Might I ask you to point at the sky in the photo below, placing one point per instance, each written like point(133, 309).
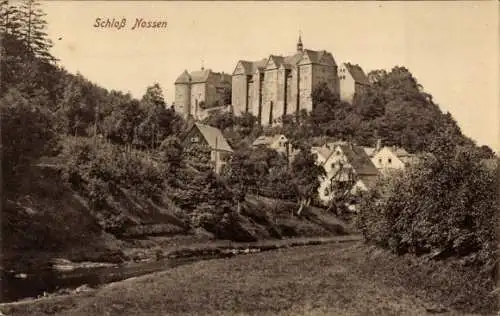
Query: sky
point(451, 48)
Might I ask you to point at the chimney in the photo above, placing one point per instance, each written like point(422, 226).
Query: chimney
point(379, 144)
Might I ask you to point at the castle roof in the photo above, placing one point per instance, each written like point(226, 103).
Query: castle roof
point(357, 73)
point(183, 78)
point(201, 76)
point(250, 67)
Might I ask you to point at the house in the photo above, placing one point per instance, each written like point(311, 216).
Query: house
point(277, 142)
point(211, 138)
point(345, 164)
point(392, 158)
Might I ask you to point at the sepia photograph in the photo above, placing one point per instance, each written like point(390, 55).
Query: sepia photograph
point(249, 158)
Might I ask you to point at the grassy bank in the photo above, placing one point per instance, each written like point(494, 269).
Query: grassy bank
point(334, 279)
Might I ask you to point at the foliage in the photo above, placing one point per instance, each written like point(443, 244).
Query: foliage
point(95, 167)
point(446, 205)
point(238, 130)
point(158, 121)
point(306, 176)
point(26, 135)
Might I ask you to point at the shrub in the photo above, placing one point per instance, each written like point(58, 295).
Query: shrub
point(446, 207)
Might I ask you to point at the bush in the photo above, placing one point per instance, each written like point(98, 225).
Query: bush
point(444, 207)
point(92, 167)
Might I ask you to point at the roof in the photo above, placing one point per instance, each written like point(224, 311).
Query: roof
point(368, 180)
point(359, 160)
point(214, 137)
point(323, 151)
point(315, 57)
point(251, 67)
point(357, 73)
point(370, 151)
point(183, 78)
point(267, 140)
point(200, 76)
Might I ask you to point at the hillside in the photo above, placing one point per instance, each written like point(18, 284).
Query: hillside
point(47, 219)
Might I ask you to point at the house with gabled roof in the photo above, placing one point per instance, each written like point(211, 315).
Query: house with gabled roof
point(392, 158)
point(345, 163)
point(211, 138)
point(278, 142)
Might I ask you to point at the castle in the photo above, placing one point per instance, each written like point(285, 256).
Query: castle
point(199, 92)
point(275, 86)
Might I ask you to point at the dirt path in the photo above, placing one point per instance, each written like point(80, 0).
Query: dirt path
point(313, 280)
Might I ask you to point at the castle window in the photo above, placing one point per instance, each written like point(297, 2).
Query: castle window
point(380, 160)
point(389, 160)
point(195, 139)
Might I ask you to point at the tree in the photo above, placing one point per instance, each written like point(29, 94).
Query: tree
point(306, 176)
point(33, 30)
point(121, 126)
point(26, 134)
point(446, 205)
point(244, 171)
point(171, 152)
point(159, 122)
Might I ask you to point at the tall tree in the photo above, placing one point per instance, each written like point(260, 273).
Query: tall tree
point(33, 30)
point(306, 176)
point(159, 122)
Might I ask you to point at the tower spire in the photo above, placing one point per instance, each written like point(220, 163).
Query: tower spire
point(300, 47)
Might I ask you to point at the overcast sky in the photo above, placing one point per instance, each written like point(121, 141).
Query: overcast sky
point(451, 47)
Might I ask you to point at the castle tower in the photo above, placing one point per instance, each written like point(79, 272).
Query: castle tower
point(183, 94)
point(300, 47)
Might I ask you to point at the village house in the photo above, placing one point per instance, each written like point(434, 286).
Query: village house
point(347, 164)
point(212, 138)
point(199, 92)
point(392, 158)
point(277, 142)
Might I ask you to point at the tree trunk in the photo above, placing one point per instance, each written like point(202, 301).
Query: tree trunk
point(302, 204)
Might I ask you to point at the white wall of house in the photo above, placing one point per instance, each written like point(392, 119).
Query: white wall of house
point(331, 166)
point(386, 159)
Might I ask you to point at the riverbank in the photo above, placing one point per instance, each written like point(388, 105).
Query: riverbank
point(330, 279)
point(65, 277)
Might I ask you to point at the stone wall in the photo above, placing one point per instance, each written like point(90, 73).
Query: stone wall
point(325, 74)
point(198, 95)
point(182, 103)
point(239, 93)
point(305, 87)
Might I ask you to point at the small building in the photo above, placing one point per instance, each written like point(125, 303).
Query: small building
point(277, 142)
point(199, 91)
point(392, 158)
point(346, 164)
point(211, 138)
